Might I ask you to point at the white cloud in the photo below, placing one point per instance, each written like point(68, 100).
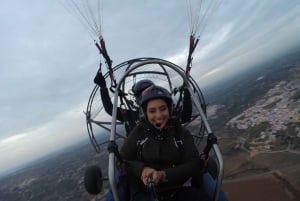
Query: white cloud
point(64, 130)
point(12, 139)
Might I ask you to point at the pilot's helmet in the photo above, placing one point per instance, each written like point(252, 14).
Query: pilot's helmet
point(140, 86)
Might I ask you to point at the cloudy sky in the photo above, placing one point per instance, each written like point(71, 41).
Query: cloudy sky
point(48, 58)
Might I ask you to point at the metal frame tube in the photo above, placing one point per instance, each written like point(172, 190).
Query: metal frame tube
point(111, 165)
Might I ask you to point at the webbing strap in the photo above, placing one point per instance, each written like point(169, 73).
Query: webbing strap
point(108, 61)
point(193, 44)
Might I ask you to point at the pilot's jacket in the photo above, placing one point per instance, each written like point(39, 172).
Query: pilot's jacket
point(171, 149)
point(130, 117)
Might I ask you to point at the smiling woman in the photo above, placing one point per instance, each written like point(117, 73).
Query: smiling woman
point(156, 103)
point(160, 156)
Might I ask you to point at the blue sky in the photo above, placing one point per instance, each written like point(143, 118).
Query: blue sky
point(48, 59)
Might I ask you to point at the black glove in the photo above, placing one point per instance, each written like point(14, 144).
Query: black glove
point(100, 80)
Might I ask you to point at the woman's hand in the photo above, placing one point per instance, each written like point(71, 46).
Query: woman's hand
point(156, 175)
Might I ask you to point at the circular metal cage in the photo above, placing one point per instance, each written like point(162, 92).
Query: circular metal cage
point(126, 74)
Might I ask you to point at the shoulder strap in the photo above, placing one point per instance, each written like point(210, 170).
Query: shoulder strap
point(141, 141)
point(178, 134)
point(178, 141)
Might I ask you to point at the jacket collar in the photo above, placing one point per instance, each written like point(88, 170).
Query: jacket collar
point(159, 134)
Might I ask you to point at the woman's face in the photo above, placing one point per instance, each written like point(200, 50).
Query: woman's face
point(157, 112)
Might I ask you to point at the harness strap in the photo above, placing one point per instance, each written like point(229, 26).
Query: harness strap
point(130, 115)
point(108, 61)
point(113, 147)
point(140, 146)
point(126, 118)
point(178, 142)
point(178, 108)
point(193, 44)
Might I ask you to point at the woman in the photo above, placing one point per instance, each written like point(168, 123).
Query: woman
point(160, 150)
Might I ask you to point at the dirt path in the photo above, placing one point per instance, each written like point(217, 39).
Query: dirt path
point(267, 187)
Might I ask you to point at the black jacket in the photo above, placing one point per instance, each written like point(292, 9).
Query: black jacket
point(161, 152)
